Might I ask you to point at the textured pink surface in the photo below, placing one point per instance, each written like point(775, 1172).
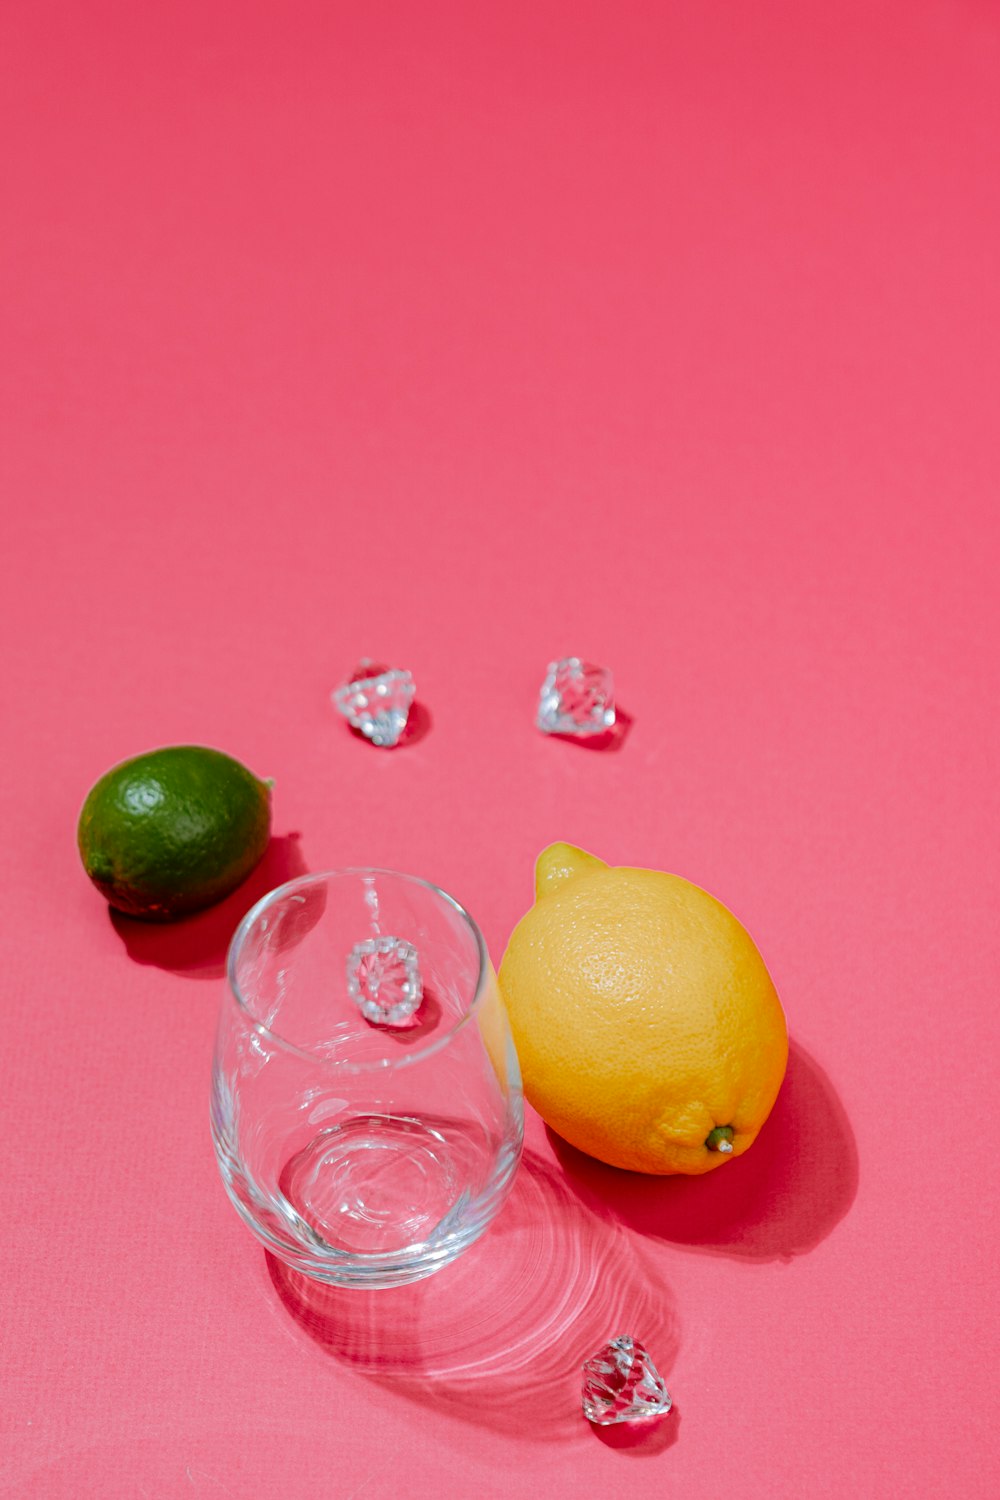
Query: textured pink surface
point(470, 335)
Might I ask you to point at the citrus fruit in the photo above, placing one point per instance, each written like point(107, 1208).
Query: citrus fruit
point(648, 1030)
point(174, 830)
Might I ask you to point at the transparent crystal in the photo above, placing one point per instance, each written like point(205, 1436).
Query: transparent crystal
point(576, 698)
point(383, 979)
point(621, 1384)
point(377, 701)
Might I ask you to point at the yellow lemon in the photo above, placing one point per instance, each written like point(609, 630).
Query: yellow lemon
point(649, 1032)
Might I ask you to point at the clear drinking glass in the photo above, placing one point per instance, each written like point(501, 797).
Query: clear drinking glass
point(363, 1154)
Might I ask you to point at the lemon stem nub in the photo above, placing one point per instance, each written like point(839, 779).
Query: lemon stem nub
point(720, 1139)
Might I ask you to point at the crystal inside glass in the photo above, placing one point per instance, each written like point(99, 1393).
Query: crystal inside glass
point(576, 698)
point(363, 1155)
point(621, 1384)
point(383, 979)
point(376, 701)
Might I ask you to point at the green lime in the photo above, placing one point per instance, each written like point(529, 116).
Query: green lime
point(174, 830)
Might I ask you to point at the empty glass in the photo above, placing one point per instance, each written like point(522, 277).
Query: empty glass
point(364, 1152)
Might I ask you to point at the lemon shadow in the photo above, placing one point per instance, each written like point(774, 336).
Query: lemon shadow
point(776, 1202)
point(195, 947)
point(499, 1336)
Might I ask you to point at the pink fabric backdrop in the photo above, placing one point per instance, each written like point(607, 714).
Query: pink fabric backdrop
point(467, 335)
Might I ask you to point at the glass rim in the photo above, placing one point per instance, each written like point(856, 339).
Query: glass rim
point(289, 887)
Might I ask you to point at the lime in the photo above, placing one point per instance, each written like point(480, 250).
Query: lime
point(172, 831)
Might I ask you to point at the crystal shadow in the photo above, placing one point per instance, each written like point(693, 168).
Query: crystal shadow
point(778, 1201)
point(642, 1439)
point(418, 726)
point(195, 947)
point(609, 742)
point(500, 1336)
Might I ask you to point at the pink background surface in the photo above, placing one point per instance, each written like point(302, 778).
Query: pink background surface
point(467, 335)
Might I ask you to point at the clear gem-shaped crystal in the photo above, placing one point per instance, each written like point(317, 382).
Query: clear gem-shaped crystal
point(377, 701)
point(576, 698)
point(383, 979)
point(621, 1384)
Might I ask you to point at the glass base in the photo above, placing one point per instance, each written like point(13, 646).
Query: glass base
point(376, 1183)
point(375, 1201)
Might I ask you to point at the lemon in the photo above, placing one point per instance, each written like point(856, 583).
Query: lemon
point(172, 831)
point(648, 1029)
